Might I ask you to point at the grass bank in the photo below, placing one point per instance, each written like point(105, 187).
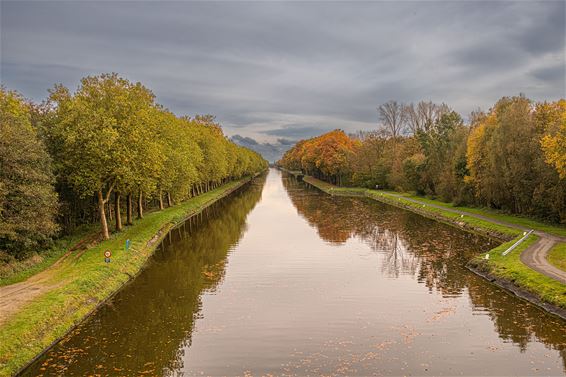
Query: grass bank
point(508, 269)
point(468, 223)
point(295, 173)
point(82, 281)
point(521, 221)
point(16, 271)
point(557, 256)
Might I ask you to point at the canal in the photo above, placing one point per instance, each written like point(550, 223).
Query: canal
point(282, 279)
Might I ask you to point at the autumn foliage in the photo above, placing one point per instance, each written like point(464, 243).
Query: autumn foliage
point(511, 158)
point(326, 156)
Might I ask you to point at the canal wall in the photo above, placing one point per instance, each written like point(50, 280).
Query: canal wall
point(478, 265)
point(46, 320)
point(481, 270)
point(295, 173)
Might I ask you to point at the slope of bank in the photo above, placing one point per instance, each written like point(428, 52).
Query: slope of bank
point(72, 289)
point(510, 272)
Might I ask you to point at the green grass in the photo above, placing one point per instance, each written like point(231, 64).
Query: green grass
point(557, 256)
point(333, 190)
point(15, 272)
point(81, 283)
point(478, 225)
point(292, 172)
point(511, 268)
point(496, 215)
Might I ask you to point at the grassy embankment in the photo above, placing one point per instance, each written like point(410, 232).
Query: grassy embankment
point(81, 282)
point(510, 267)
point(16, 271)
point(557, 256)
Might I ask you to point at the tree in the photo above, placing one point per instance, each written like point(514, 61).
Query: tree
point(507, 165)
point(104, 138)
point(552, 118)
point(28, 202)
point(182, 157)
point(421, 118)
point(437, 144)
point(392, 118)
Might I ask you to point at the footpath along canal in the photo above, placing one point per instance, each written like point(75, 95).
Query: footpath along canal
point(282, 279)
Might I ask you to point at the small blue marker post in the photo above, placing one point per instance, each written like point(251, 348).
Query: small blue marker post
point(128, 244)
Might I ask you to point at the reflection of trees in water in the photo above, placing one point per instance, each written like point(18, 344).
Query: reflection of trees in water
point(410, 244)
point(147, 325)
point(316, 213)
point(434, 252)
point(397, 257)
point(516, 321)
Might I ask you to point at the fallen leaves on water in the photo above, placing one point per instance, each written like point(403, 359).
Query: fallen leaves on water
point(443, 313)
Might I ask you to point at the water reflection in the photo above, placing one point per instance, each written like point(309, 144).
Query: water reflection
point(146, 327)
point(307, 284)
point(410, 244)
point(427, 249)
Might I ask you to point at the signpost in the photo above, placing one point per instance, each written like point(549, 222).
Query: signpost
point(107, 256)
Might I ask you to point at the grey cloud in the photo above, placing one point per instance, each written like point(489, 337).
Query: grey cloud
point(290, 69)
point(546, 33)
point(244, 140)
point(271, 152)
point(296, 132)
point(286, 141)
point(550, 74)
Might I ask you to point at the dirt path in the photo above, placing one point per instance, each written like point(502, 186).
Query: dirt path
point(534, 256)
point(14, 296)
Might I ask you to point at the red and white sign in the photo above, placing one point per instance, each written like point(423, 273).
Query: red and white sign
point(107, 254)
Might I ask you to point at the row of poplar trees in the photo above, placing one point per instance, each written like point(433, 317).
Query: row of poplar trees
point(512, 157)
point(109, 147)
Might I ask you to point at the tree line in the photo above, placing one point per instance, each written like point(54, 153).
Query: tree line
point(95, 154)
point(512, 157)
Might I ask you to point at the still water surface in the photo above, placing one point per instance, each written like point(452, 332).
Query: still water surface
point(282, 279)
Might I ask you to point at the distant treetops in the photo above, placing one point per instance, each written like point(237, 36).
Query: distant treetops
point(109, 137)
point(511, 158)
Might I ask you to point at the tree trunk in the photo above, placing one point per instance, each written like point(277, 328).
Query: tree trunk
point(129, 209)
point(169, 201)
point(102, 212)
point(140, 205)
point(117, 211)
point(160, 200)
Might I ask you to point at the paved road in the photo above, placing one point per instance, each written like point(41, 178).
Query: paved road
point(534, 256)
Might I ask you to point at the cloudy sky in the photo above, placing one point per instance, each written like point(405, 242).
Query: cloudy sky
point(290, 70)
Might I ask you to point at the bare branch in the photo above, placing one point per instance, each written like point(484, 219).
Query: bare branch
point(392, 118)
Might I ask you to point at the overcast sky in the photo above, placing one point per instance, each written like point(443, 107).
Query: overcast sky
point(291, 70)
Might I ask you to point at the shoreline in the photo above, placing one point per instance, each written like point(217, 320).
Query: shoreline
point(82, 310)
point(497, 234)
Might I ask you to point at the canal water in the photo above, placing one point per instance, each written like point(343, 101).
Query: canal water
point(282, 279)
